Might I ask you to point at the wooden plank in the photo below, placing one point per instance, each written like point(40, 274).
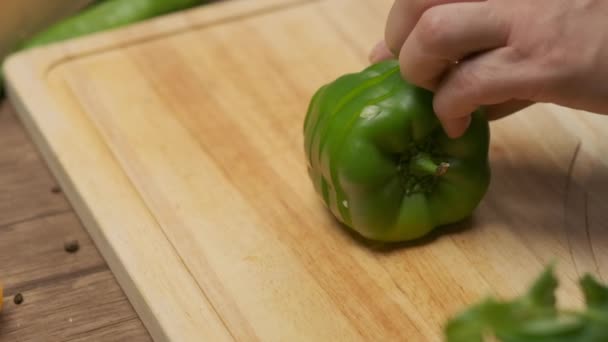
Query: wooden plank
point(25, 181)
point(88, 307)
point(194, 148)
point(33, 259)
point(33, 252)
point(129, 330)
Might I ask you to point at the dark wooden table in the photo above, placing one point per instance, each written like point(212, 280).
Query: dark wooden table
point(67, 296)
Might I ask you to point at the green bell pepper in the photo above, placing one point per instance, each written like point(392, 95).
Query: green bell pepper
point(381, 162)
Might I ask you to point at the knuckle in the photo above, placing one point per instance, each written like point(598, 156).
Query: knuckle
point(433, 29)
point(470, 83)
point(555, 70)
point(550, 53)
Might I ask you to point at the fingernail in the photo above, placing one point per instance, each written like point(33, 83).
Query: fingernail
point(380, 52)
point(455, 128)
point(374, 53)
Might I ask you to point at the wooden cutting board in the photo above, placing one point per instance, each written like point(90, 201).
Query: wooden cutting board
point(179, 142)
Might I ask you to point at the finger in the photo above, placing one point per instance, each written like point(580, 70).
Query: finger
point(380, 52)
point(446, 34)
point(402, 18)
point(455, 127)
point(491, 78)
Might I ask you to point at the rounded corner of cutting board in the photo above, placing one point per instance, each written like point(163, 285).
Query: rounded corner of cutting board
point(37, 63)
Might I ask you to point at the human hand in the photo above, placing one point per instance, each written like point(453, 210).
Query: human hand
point(503, 55)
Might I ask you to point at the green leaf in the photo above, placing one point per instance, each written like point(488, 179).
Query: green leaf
point(470, 325)
point(542, 292)
point(534, 316)
point(596, 294)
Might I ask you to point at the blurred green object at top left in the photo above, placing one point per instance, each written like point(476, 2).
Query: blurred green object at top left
point(101, 16)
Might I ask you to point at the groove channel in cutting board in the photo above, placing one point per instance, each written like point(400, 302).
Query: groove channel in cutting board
point(225, 173)
point(205, 122)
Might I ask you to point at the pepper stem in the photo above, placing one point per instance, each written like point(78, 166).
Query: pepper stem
point(424, 165)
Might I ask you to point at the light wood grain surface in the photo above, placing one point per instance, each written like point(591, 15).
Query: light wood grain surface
point(185, 132)
point(66, 296)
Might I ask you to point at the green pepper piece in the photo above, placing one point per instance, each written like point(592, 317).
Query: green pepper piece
point(380, 160)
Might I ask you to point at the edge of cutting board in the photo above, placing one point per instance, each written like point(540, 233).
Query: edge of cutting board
point(26, 73)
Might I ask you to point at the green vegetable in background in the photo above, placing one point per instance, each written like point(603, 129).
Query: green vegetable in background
point(104, 15)
point(381, 162)
point(108, 14)
point(534, 317)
